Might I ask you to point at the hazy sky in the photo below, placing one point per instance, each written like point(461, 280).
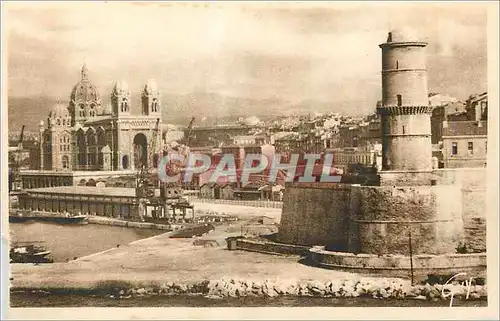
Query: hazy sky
point(294, 52)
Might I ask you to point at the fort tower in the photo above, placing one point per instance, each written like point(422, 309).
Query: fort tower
point(405, 111)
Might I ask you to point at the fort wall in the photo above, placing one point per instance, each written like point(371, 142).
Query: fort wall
point(371, 219)
point(315, 214)
point(382, 218)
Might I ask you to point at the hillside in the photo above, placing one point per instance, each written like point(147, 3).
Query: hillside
point(177, 109)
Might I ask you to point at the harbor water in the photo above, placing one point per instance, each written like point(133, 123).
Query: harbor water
point(67, 242)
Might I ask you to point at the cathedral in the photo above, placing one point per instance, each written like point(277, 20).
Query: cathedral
point(87, 135)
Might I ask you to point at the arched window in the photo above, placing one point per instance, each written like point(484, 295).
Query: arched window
point(154, 106)
point(82, 111)
point(124, 105)
point(91, 139)
point(92, 110)
point(65, 162)
point(125, 161)
point(155, 160)
point(58, 121)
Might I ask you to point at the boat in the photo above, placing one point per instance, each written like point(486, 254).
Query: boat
point(20, 217)
point(29, 253)
point(78, 219)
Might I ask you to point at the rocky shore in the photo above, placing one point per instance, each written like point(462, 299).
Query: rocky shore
point(380, 288)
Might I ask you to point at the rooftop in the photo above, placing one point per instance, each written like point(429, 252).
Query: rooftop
point(465, 128)
point(89, 190)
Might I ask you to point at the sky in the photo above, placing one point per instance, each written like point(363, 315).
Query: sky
point(291, 52)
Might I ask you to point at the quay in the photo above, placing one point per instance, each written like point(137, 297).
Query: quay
point(117, 202)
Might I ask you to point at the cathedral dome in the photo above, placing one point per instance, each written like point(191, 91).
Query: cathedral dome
point(84, 90)
point(59, 110)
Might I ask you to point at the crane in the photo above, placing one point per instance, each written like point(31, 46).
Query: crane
point(21, 136)
point(190, 129)
point(187, 139)
point(146, 177)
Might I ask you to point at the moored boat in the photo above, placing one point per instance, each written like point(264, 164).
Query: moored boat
point(29, 253)
point(79, 219)
point(21, 217)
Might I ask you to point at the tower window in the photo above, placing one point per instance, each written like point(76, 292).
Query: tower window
point(124, 105)
point(404, 131)
point(400, 100)
point(154, 106)
point(397, 64)
point(454, 148)
point(470, 148)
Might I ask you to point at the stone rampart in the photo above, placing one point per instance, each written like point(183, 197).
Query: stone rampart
point(383, 217)
point(315, 214)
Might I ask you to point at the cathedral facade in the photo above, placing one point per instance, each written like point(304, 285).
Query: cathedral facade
point(87, 135)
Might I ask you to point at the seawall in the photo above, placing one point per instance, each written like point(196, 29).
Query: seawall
point(142, 225)
point(337, 288)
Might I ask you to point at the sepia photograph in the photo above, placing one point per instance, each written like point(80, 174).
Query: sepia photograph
point(236, 155)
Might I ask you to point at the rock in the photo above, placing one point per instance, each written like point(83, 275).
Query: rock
point(434, 293)
point(383, 293)
point(316, 288)
point(141, 291)
point(182, 288)
point(420, 297)
point(481, 290)
point(426, 289)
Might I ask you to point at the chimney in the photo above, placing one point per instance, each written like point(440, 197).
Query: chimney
point(477, 113)
point(445, 114)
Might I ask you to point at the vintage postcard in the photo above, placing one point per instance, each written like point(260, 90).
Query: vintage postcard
point(249, 160)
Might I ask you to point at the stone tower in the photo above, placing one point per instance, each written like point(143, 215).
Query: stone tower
point(405, 111)
point(151, 99)
point(120, 99)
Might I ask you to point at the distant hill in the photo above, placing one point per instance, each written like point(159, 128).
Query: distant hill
point(28, 111)
point(177, 109)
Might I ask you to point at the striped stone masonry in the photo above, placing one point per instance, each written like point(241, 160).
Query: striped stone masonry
point(404, 110)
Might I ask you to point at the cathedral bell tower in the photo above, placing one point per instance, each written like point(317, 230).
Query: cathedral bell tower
point(151, 100)
point(120, 99)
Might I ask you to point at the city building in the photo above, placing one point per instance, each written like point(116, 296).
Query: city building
point(459, 132)
point(216, 136)
point(349, 159)
point(85, 135)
